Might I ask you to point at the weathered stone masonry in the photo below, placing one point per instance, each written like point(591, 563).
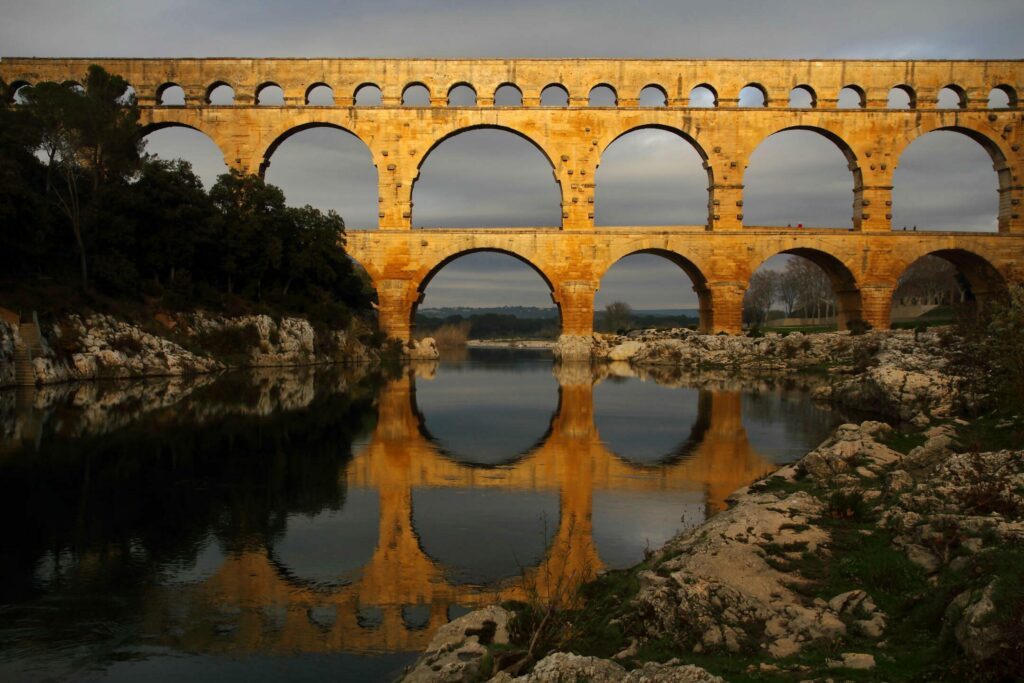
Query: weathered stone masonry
point(864, 262)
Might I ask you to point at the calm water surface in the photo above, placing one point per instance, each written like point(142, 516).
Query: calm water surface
point(310, 525)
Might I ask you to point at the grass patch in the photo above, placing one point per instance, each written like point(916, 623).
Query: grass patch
point(904, 442)
point(992, 432)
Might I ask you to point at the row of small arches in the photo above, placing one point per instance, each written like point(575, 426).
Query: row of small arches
point(556, 95)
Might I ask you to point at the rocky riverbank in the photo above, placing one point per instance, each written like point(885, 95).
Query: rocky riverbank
point(887, 553)
point(896, 374)
point(97, 346)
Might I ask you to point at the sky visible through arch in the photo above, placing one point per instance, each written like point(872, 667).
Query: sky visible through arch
point(943, 181)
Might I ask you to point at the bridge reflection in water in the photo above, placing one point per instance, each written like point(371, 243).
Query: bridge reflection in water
point(399, 598)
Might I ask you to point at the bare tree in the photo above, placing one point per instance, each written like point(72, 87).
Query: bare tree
point(931, 280)
point(618, 315)
point(760, 296)
point(814, 295)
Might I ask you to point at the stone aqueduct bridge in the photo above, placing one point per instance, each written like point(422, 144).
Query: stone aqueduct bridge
point(863, 261)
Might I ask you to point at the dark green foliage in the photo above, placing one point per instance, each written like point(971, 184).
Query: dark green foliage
point(143, 229)
point(904, 443)
point(858, 326)
point(847, 504)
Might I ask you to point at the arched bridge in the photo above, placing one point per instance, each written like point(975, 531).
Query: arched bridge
point(863, 262)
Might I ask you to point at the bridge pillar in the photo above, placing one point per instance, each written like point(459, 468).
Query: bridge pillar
point(876, 304)
point(722, 308)
point(1011, 203)
point(725, 207)
point(872, 208)
point(575, 299)
point(394, 198)
point(395, 302)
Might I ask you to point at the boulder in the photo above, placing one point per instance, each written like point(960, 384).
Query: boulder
point(562, 667)
point(422, 349)
point(456, 652)
point(571, 347)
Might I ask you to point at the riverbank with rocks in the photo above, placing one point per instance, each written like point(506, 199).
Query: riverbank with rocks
point(893, 551)
point(896, 374)
point(99, 346)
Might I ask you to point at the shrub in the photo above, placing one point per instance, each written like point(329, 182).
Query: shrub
point(128, 344)
point(858, 326)
point(451, 335)
point(230, 341)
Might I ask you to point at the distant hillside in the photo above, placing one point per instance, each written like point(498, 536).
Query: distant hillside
point(535, 312)
point(526, 312)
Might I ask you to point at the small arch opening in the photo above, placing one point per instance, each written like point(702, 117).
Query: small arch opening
point(851, 97)
point(19, 92)
point(508, 95)
point(653, 96)
point(902, 97)
point(329, 168)
point(952, 97)
point(802, 288)
point(800, 177)
point(128, 97)
point(554, 95)
point(703, 96)
point(416, 95)
point(191, 145)
point(486, 177)
point(802, 97)
point(270, 95)
point(651, 288)
point(485, 279)
point(220, 94)
point(368, 95)
point(603, 96)
point(651, 176)
point(940, 287)
point(1002, 97)
point(753, 95)
point(944, 180)
point(462, 95)
point(171, 95)
point(75, 87)
point(320, 95)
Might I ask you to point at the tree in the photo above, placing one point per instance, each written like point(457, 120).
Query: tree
point(253, 222)
point(814, 296)
point(788, 290)
point(24, 219)
point(618, 316)
point(89, 138)
point(760, 295)
point(931, 280)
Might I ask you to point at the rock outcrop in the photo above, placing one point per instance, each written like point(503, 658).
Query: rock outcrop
point(102, 346)
point(421, 349)
point(562, 667)
point(458, 651)
point(571, 348)
point(897, 374)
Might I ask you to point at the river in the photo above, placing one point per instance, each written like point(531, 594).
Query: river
point(322, 524)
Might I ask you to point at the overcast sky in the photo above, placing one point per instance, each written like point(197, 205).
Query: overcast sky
point(944, 181)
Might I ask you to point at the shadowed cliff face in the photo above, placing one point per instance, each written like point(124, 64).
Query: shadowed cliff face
point(328, 512)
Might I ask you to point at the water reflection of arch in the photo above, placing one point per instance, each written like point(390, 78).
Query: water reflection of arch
point(447, 452)
point(686, 448)
point(271, 612)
